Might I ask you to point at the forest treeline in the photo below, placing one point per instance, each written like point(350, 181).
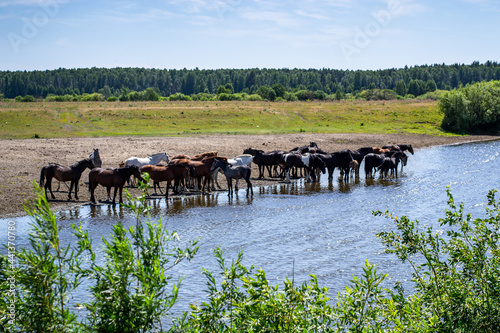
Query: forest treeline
point(108, 82)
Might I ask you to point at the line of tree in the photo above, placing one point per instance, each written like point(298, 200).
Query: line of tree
point(415, 81)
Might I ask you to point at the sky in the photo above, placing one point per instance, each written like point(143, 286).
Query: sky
point(212, 34)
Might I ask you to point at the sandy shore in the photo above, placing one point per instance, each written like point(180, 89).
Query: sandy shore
point(22, 160)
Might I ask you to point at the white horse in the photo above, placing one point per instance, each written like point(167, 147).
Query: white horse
point(244, 159)
point(142, 161)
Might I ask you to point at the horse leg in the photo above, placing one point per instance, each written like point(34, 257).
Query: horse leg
point(48, 185)
point(70, 189)
point(108, 189)
point(92, 188)
point(166, 189)
point(114, 194)
point(249, 185)
point(76, 188)
point(121, 190)
point(229, 184)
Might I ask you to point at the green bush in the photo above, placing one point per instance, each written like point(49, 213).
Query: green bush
point(27, 98)
point(202, 97)
point(472, 109)
point(95, 97)
point(229, 97)
point(456, 275)
point(303, 95)
point(112, 99)
point(253, 97)
point(150, 95)
point(179, 97)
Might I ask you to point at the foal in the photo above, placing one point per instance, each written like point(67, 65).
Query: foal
point(234, 172)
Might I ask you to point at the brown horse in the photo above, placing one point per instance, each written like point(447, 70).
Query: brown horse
point(112, 178)
point(202, 169)
point(168, 173)
point(64, 174)
point(197, 157)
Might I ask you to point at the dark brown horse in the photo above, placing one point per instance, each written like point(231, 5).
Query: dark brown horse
point(168, 173)
point(63, 174)
point(202, 169)
point(112, 178)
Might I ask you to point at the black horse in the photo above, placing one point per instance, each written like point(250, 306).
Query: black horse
point(63, 174)
point(264, 160)
point(316, 167)
point(372, 161)
point(331, 162)
point(390, 164)
point(407, 148)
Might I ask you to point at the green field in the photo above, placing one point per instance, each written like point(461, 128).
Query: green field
point(83, 119)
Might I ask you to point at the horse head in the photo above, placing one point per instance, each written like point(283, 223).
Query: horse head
point(95, 158)
point(217, 164)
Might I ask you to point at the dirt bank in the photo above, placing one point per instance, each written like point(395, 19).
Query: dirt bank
point(23, 159)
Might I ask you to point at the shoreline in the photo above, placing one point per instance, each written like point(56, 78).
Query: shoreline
point(24, 158)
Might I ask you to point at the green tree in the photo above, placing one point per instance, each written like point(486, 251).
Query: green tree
point(151, 95)
point(338, 95)
point(400, 88)
point(279, 89)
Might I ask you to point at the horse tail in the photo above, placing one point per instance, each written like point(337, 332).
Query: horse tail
point(42, 176)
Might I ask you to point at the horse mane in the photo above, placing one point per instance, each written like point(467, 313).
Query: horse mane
point(157, 154)
point(85, 160)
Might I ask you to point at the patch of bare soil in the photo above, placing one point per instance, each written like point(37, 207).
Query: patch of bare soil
point(22, 160)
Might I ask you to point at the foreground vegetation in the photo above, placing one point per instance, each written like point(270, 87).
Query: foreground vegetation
point(456, 279)
point(80, 119)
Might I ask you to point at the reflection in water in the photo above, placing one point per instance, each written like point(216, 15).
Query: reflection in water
point(110, 211)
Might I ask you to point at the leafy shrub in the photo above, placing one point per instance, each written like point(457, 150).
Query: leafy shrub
point(303, 95)
point(130, 287)
point(27, 98)
point(473, 108)
point(457, 276)
point(112, 99)
point(253, 97)
point(291, 97)
point(229, 97)
point(202, 97)
point(179, 97)
point(320, 94)
point(95, 97)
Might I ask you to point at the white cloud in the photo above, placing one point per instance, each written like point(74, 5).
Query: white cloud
point(403, 7)
point(281, 19)
point(311, 15)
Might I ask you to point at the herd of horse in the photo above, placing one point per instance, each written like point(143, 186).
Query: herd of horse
point(200, 171)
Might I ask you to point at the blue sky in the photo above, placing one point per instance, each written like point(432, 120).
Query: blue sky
point(210, 34)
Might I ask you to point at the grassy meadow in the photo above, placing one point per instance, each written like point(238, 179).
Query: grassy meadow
point(87, 119)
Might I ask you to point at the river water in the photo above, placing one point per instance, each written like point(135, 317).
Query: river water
point(293, 230)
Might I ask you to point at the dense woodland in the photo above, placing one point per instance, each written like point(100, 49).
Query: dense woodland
point(415, 81)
